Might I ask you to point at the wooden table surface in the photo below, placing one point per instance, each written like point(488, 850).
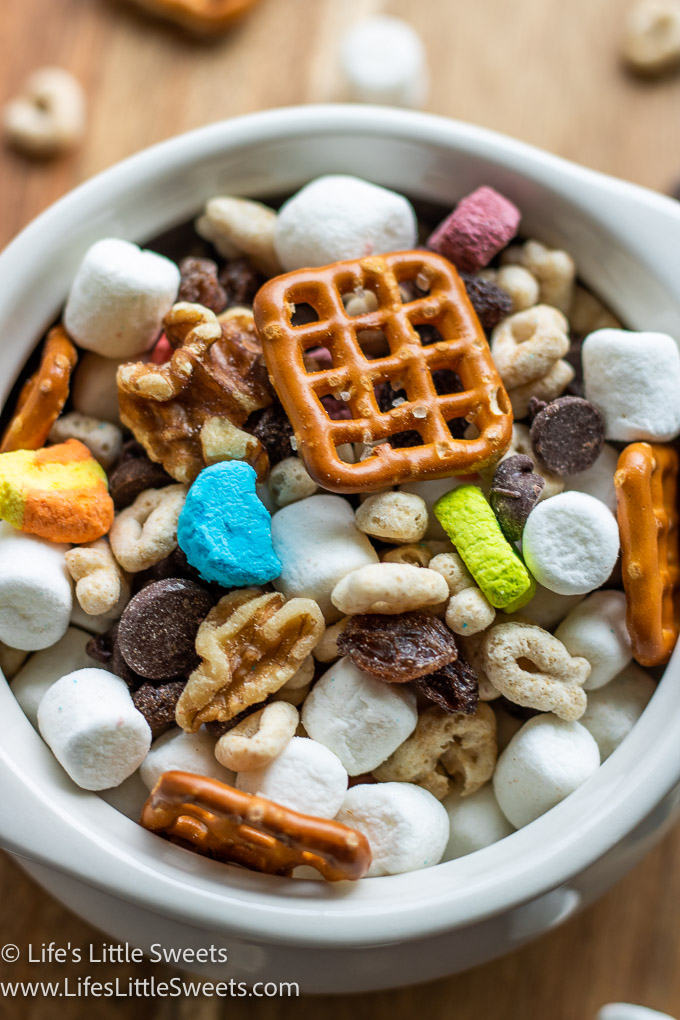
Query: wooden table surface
point(545, 71)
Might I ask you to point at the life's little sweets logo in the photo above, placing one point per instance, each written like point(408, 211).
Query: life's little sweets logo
point(109, 952)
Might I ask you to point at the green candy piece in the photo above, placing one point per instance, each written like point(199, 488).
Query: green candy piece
point(471, 525)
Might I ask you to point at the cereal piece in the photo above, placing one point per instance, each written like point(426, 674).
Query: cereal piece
point(598, 480)
point(567, 435)
point(101, 586)
point(475, 822)
point(647, 495)
point(453, 570)
point(103, 439)
point(43, 396)
point(239, 226)
point(157, 631)
point(571, 543)
point(481, 225)
point(258, 739)
point(305, 776)
point(289, 482)
point(515, 491)
point(554, 269)
point(44, 668)
point(544, 762)
point(490, 302)
point(225, 530)
point(613, 710)
point(228, 825)
point(587, 313)
point(250, 644)
point(58, 493)
point(472, 526)
point(397, 648)
point(633, 379)
point(133, 474)
point(445, 747)
point(317, 543)
point(383, 60)
point(340, 217)
point(518, 283)
point(454, 687)
point(651, 39)
point(469, 612)
point(94, 391)
point(327, 649)
point(596, 630)
point(417, 555)
point(119, 297)
point(183, 752)
point(158, 704)
point(526, 346)
point(95, 732)
point(48, 117)
point(388, 588)
point(361, 719)
point(393, 517)
point(35, 590)
point(199, 285)
point(146, 531)
point(552, 680)
point(406, 827)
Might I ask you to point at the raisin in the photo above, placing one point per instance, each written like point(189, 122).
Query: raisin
point(157, 705)
point(397, 648)
point(274, 431)
point(454, 687)
point(490, 302)
point(241, 282)
point(199, 284)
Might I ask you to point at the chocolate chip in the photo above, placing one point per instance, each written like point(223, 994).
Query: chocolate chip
point(490, 301)
point(133, 474)
point(241, 282)
point(157, 705)
point(173, 565)
point(567, 435)
point(454, 687)
point(515, 491)
point(157, 631)
point(199, 284)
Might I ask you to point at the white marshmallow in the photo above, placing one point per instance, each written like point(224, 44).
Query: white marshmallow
point(306, 777)
point(543, 763)
point(596, 629)
point(183, 752)
point(598, 480)
point(571, 543)
point(634, 379)
point(94, 390)
point(430, 491)
point(613, 710)
point(92, 624)
point(318, 542)
point(546, 609)
point(93, 728)
point(361, 719)
point(35, 590)
point(340, 217)
point(629, 1011)
point(476, 821)
point(383, 60)
point(407, 828)
point(46, 667)
point(119, 297)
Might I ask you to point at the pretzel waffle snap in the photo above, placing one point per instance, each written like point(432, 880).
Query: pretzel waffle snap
point(218, 821)
point(200, 16)
point(461, 349)
point(647, 493)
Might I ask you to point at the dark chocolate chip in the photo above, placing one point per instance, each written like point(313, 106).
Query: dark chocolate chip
point(133, 474)
point(515, 491)
point(157, 705)
point(490, 302)
point(199, 284)
point(567, 436)
point(454, 687)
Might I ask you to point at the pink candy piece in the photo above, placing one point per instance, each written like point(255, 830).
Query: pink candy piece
point(479, 227)
point(162, 352)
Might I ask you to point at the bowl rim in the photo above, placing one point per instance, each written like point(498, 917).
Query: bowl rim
point(525, 865)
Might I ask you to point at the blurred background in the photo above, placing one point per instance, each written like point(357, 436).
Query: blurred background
point(544, 71)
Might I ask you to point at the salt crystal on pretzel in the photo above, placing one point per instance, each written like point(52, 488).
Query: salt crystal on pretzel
point(461, 349)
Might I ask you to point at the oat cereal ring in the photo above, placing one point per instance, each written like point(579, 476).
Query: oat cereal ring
point(218, 821)
point(101, 586)
point(526, 345)
point(42, 396)
point(518, 283)
point(557, 685)
point(259, 738)
point(554, 269)
point(445, 747)
point(550, 386)
point(146, 531)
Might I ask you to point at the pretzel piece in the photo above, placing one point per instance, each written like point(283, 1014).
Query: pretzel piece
point(218, 821)
point(42, 396)
point(203, 17)
point(462, 349)
point(646, 482)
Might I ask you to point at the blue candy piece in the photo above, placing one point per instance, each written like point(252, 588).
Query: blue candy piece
point(225, 531)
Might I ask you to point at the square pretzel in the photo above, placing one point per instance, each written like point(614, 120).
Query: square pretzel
point(460, 347)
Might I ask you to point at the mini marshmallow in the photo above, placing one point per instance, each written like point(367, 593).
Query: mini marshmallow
point(94, 390)
point(183, 752)
point(571, 543)
point(613, 710)
point(340, 217)
point(634, 379)
point(596, 629)
point(318, 542)
point(92, 624)
point(475, 821)
point(406, 826)
point(361, 719)
point(547, 608)
point(93, 728)
point(46, 667)
point(119, 298)
point(629, 1011)
point(383, 60)
point(543, 763)
point(306, 777)
point(598, 480)
point(35, 590)
point(430, 491)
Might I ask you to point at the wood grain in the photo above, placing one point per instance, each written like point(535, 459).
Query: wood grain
point(547, 72)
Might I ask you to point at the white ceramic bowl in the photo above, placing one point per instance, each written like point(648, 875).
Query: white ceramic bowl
point(386, 931)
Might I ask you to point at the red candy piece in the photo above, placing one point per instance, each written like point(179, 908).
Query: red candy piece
point(480, 226)
point(162, 352)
